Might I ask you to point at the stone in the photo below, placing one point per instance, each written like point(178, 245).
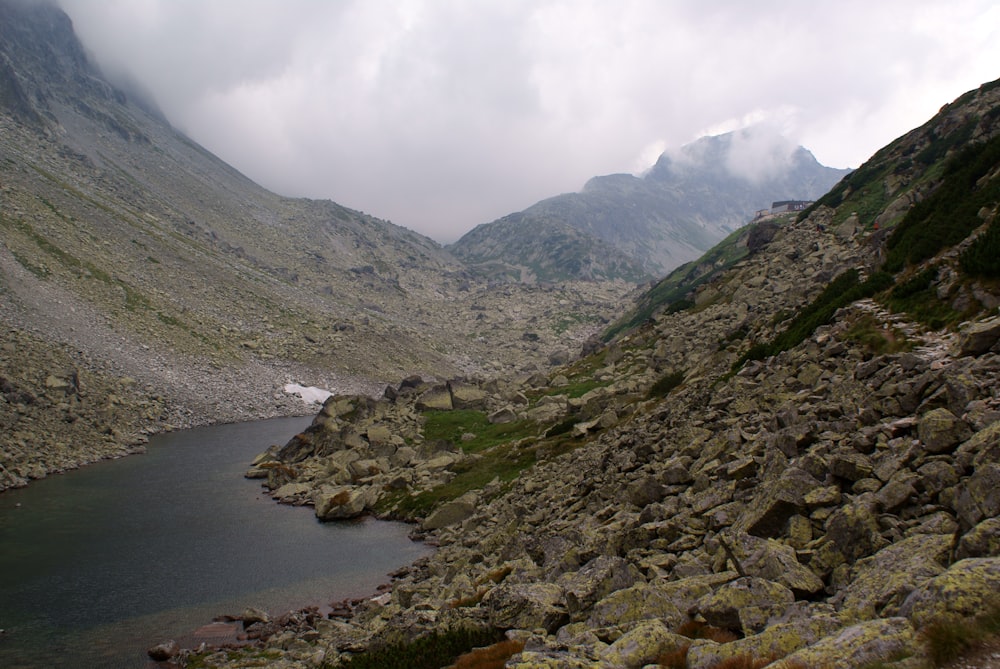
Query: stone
point(344, 502)
point(453, 512)
point(853, 531)
point(878, 584)
point(856, 646)
point(979, 497)
point(526, 606)
point(966, 589)
point(641, 645)
point(980, 337)
point(767, 514)
point(641, 601)
point(162, 652)
point(941, 431)
point(771, 560)
point(850, 466)
point(253, 615)
point(723, 608)
point(466, 395)
point(983, 540)
point(777, 640)
point(595, 580)
point(437, 397)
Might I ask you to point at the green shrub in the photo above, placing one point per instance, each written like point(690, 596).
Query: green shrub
point(665, 384)
point(433, 651)
point(951, 212)
point(982, 258)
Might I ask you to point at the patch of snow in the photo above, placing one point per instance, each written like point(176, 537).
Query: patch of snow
point(309, 394)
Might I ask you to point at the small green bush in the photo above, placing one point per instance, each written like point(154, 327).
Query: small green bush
point(665, 384)
point(433, 651)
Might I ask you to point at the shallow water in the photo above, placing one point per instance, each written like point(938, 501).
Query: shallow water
point(99, 564)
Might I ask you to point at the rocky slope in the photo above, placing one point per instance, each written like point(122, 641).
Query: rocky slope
point(793, 468)
point(623, 226)
point(188, 294)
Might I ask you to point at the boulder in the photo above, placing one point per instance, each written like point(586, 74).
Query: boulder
point(777, 640)
point(466, 395)
point(966, 589)
point(979, 497)
point(853, 530)
point(980, 337)
point(641, 601)
point(452, 512)
point(941, 431)
point(595, 580)
point(526, 606)
point(162, 652)
point(774, 561)
point(641, 645)
point(437, 397)
point(343, 502)
point(878, 584)
point(983, 540)
point(745, 604)
point(856, 646)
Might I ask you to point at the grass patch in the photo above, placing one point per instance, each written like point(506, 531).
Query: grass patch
point(877, 338)
point(436, 650)
point(666, 384)
point(982, 258)
point(452, 425)
point(501, 462)
point(918, 298)
point(949, 638)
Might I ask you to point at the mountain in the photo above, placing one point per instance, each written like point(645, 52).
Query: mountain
point(145, 283)
point(791, 459)
point(634, 228)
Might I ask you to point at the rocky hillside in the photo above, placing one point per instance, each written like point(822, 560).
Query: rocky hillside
point(622, 226)
point(146, 284)
point(798, 468)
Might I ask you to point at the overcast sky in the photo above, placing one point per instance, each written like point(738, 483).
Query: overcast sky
point(443, 114)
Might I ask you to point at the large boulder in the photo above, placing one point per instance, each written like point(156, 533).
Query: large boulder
point(452, 512)
point(979, 497)
point(745, 604)
point(641, 645)
point(774, 561)
point(595, 580)
point(966, 589)
point(856, 646)
point(980, 337)
point(435, 398)
point(777, 640)
point(878, 584)
point(466, 395)
point(641, 601)
point(941, 431)
point(344, 502)
point(526, 606)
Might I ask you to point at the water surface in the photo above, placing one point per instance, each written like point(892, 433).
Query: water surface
point(100, 563)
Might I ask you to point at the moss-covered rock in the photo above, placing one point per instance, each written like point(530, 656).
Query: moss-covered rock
point(747, 601)
point(526, 606)
point(856, 646)
point(642, 601)
point(966, 589)
point(641, 645)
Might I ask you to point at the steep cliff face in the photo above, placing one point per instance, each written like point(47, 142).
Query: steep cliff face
point(802, 458)
point(636, 227)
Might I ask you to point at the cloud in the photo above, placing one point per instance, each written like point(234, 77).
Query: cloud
point(443, 114)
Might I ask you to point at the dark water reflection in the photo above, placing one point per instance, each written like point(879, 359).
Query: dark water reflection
point(99, 564)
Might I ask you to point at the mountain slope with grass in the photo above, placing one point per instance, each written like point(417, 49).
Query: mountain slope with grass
point(796, 467)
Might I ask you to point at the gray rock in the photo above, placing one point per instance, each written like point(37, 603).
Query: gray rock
point(526, 606)
point(941, 431)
